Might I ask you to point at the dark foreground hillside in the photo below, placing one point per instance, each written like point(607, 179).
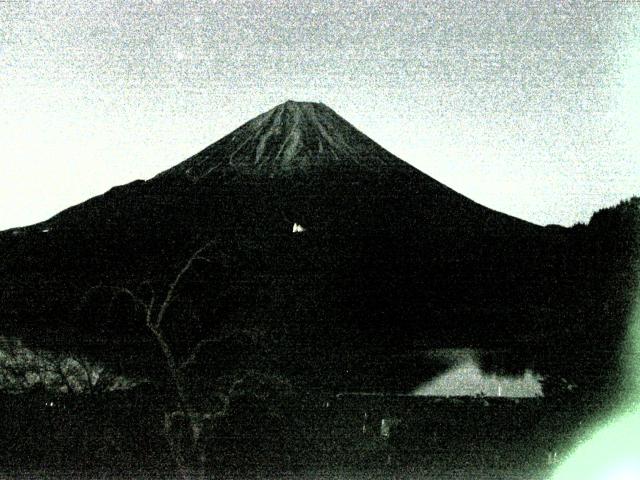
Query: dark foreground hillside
point(120, 436)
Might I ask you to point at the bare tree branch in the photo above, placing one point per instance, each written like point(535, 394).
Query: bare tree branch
point(137, 301)
point(203, 259)
point(172, 288)
point(149, 312)
point(191, 359)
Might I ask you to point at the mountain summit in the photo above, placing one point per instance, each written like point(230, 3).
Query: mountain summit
point(290, 138)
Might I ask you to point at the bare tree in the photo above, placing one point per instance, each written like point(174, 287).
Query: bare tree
point(155, 307)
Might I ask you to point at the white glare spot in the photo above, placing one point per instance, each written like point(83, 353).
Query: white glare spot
point(297, 228)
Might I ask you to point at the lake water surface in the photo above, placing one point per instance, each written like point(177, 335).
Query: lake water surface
point(471, 372)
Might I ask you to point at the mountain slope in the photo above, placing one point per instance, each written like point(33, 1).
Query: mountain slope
point(389, 258)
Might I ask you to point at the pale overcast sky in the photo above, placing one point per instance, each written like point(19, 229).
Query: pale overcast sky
point(531, 108)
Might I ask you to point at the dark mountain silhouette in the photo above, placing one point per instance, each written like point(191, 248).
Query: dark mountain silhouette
point(328, 251)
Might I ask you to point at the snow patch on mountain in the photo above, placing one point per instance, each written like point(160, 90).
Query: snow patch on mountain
point(291, 138)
